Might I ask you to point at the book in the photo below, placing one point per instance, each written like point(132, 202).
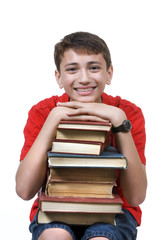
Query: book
point(75, 218)
point(77, 147)
point(103, 175)
point(80, 189)
point(81, 182)
point(84, 131)
point(84, 135)
point(85, 125)
point(80, 205)
point(109, 158)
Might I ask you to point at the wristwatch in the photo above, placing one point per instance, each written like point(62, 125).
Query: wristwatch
point(124, 127)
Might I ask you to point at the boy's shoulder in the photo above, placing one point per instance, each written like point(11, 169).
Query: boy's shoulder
point(117, 101)
point(128, 107)
point(41, 110)
point(48, 104)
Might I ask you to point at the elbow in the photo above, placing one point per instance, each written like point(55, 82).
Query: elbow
point(136, 201)
point(136, 196)
point(22, 189)
point(23, 193)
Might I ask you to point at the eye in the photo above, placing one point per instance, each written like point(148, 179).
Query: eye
point(71, 69)
point(94, 68)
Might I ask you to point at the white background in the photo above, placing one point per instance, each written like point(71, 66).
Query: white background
point(28, 33)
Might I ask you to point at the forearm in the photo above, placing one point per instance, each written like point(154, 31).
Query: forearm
point(32, 170)
point(133, 180)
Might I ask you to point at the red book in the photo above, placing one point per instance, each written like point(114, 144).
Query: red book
point(79, 204)
point(85, 125)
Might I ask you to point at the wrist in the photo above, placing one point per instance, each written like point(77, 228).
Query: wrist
point(118, 118)
point(125, 127)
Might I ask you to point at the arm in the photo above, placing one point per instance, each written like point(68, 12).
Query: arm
point(32, 170)
point(133, 180)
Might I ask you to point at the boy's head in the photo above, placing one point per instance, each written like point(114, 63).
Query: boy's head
point(84, 43)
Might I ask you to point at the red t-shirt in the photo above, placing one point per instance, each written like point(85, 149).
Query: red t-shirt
point(39, 113)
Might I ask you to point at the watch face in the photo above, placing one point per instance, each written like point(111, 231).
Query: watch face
point(127, 125)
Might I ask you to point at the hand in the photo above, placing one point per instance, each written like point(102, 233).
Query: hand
point(69, 113)
point(95, 112)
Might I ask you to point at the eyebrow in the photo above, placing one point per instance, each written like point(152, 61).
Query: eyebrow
point(71, 64)
point(94, 62)
point(75, 64)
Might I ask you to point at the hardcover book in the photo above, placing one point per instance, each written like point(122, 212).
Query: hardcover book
point(102, 175)
point(81, 182)
point(84, 131)
point(75, 218)
point(77, 147)
point(109, 158)
point(80, 205)
point(84, 135)
point(85, 125)
point(80, 189)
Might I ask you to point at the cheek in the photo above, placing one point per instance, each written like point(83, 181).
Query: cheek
point(67, 84)
point(68, 87)
point(102, 82)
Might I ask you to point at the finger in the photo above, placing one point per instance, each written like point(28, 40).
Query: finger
point(83, 111)
point(72, 104)
point(78, 112)
point(85, 118)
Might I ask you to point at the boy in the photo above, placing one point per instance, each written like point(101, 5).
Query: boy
point(84, 68)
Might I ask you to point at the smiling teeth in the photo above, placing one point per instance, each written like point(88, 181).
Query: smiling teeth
point(84, 90)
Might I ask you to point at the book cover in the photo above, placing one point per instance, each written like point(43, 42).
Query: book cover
point(94, 175)
point(84, 135)
point(109, 158)
point(81, 182)
point(77, 147)
point(77, 204)
point(88, 125)
point(75, 218)
point(80, 189)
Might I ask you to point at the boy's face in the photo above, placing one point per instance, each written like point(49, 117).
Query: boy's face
point(83, 76)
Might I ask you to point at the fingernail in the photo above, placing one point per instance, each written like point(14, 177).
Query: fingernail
point(59, 103)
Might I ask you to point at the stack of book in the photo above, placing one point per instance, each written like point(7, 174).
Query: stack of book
point(82, 175)
point(82, 137)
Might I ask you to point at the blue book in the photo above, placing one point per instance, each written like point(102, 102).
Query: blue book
point(109, 158)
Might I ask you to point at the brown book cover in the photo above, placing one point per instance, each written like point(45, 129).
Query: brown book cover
point(102, 175)
point(81, 182)
point(75, 218)
point(80, 189)
point(84, 135)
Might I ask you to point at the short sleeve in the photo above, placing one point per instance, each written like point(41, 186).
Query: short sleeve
point(36, 119)
point(32, 128)
point(138, 131)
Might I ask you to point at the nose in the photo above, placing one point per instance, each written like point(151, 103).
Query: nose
point(84, 77)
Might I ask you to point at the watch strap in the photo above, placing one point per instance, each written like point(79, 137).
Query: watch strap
point(124, 127)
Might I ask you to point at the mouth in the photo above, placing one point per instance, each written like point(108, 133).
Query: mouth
point(84, 89)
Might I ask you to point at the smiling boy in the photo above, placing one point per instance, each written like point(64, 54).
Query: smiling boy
point(84, 68)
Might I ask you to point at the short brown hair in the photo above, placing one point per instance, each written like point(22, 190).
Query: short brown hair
point(81, 42)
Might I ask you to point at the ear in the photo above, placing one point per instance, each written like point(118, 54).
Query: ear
point(109, 75)
point(58, 79)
